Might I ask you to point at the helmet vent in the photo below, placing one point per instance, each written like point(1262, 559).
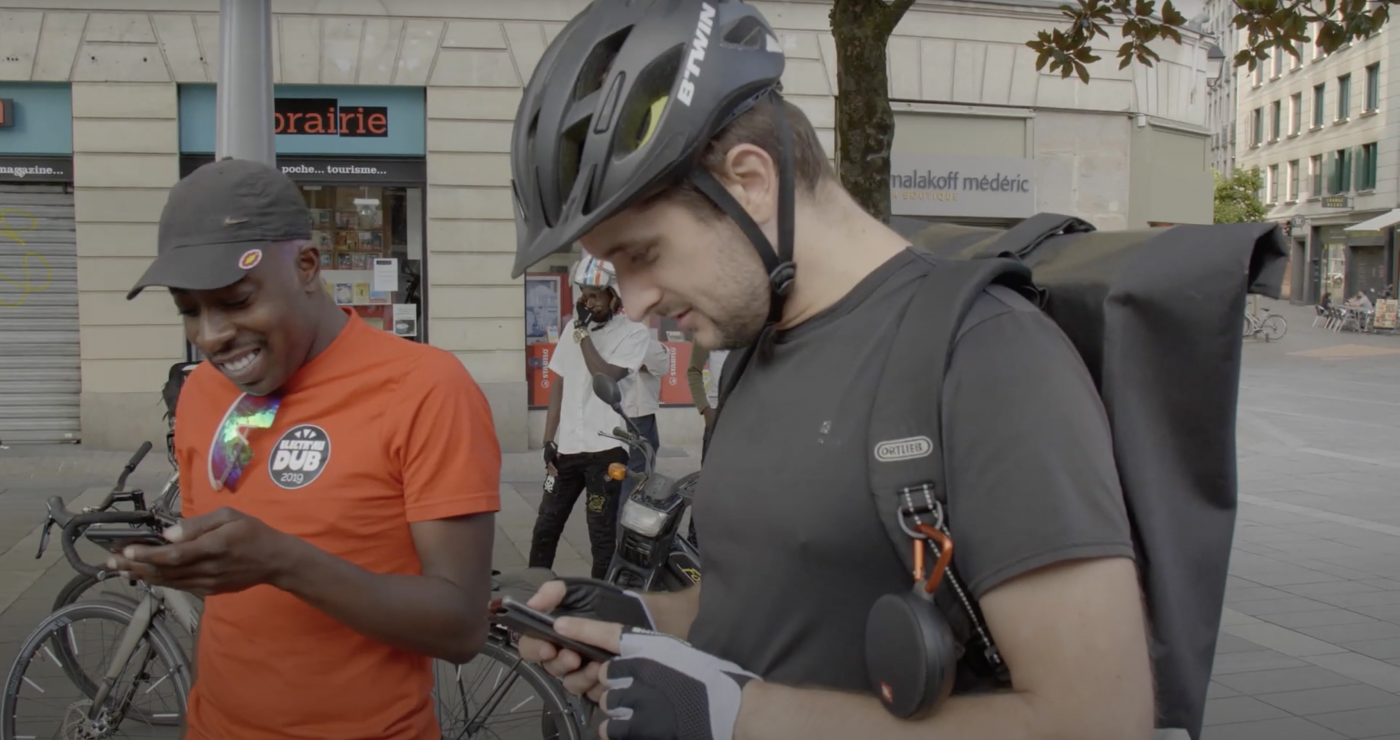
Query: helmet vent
point(748, 33)
point(594, 70)
point(570, 154)
point(637, 123)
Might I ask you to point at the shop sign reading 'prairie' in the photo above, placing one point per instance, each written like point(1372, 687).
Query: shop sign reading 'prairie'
point(327, 117)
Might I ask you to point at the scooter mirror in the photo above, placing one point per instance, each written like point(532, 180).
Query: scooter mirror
point(606, 389)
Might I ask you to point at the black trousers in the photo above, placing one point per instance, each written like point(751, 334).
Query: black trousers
point(579, 472)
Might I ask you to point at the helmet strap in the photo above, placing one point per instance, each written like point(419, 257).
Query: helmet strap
point(779, 264)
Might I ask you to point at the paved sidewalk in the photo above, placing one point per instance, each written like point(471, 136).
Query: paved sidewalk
point(1310, 647)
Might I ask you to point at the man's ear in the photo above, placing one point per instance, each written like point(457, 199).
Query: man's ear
point(751, 176)
point(307, 259)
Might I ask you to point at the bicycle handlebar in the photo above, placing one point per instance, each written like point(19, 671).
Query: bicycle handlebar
point(75, 524)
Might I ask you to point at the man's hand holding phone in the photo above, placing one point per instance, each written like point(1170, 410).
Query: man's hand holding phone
point(651, 687)
point(579, 676)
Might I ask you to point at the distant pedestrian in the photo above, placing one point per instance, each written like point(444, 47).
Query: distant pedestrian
point(597, 339)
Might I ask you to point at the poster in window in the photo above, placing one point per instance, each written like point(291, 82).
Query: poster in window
point(543, 302)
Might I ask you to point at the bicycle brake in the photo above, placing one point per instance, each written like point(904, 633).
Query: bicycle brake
point(44, 539)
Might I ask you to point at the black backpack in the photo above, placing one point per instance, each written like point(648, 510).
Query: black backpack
point(1155, 315)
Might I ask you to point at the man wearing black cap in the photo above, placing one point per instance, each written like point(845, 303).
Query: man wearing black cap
point(340, 481)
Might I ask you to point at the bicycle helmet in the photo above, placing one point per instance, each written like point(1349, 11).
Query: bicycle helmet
point(591, 272)
point(623, 104)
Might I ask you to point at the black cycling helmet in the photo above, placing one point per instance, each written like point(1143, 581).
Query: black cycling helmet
point(623, 104)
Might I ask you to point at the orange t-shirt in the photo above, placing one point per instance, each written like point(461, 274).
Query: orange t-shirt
point(407, 436)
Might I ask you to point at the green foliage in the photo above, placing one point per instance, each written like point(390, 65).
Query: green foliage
point(1267, 24)
point(1237, 197)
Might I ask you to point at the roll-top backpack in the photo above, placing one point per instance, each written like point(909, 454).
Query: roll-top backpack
point(1155, 316)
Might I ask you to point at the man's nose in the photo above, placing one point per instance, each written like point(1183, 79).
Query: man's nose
point(212, 331)
point(639, 297)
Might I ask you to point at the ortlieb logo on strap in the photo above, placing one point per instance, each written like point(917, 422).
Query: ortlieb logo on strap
point(908, 448)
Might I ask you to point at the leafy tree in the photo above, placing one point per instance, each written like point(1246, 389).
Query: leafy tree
point(1237, 197)
point(1266, 25)
point(862, 28)
point(864, 120)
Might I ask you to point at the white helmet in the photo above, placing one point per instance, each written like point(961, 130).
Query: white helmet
point(591, 272)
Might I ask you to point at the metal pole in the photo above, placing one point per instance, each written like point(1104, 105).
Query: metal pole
point(244, 129)
point(243, 122)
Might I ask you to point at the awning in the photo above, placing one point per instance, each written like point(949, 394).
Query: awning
point(1383, 221)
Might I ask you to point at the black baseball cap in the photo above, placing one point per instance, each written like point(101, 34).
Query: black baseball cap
point(219, 220)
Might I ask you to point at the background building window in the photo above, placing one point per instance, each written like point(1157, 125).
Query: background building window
point(1373, 88)
point(1273, 183)
point(1319, 105)
point(1296, 124)
point(1315, 165)
point(1258, 137)
point(1343, 97)
point(1293, 180)
point(1366, 173)
point(1276, 132)
point(1340, 181)
point(1279, 54)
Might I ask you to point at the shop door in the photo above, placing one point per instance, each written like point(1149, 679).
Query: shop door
point(1367, 268)
point(40, 379)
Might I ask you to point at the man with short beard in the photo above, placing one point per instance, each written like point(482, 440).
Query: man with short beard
point(340, 482)
point(654, 134)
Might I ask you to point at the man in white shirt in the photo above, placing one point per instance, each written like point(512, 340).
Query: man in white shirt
point(641, 399)
point(597, 339)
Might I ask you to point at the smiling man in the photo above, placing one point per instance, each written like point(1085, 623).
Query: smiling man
point(340, 482)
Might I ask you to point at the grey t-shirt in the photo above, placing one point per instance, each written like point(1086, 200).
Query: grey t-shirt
point(793, 553)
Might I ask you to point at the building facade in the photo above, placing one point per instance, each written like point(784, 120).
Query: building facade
point(1322, 132)
point(1221, 99)
point(397, 126)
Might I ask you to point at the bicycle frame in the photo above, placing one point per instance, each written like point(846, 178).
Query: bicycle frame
point(181, 607)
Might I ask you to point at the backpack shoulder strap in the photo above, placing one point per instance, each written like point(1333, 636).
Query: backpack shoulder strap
point(906, 461)
point(906, 444)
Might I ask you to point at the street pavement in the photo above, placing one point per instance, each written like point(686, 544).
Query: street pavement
point(1310, 642)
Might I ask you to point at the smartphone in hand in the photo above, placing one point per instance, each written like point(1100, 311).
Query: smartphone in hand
point(116, 539)
point(523, 619)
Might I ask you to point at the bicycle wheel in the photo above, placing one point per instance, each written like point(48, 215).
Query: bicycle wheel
point(154, 682)
point(498, 694)
point(1274, 328)
point(112, 590)
point(1248, 327)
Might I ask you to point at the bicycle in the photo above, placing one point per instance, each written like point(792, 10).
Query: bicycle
point(1272, 328)
point(146, 641)
point(158, 619)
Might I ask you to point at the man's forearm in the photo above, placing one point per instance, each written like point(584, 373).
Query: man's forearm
point(556, 399)
point(423, 614)
point(773, 712)
point(596, 364)
point(674, 612)
point(695, 378)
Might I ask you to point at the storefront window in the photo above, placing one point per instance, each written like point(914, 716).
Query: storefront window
point(366, 263)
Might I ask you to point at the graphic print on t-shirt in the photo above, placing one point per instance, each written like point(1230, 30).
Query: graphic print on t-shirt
point(299, 456)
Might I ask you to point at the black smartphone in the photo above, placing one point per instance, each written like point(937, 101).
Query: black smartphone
point(521, 618)
point(115, 540)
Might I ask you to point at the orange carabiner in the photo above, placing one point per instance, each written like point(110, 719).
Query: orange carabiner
point(945, 556)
